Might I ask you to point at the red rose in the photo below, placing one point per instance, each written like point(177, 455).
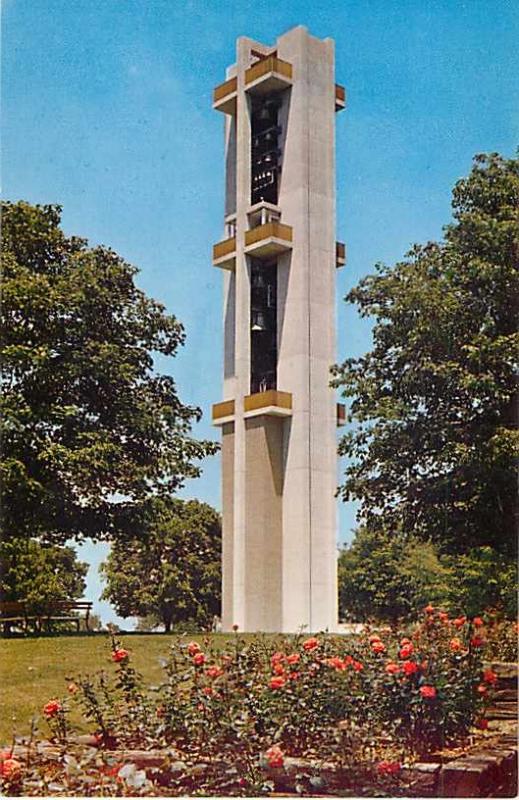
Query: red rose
point(459, 622)
point(52, 708)
point(277, 658)
point(405, 640)
point(119, 654)
point(348, 661)
point(357, 666)
point(443, 616)
point(378, 647)
point(214, 672)
point(274, 756)
point(477, 641)
point(209, 691)
point(428, 692)
point(388, 768)
point(489, 676)
point(406, 651)
point(293, 676)
point(391, 668)
point(277, 682)
point(477, 622)
point(294, 658)
point(429, 609)
point(278, 669)
point(410, 668)
point(455, 644)
point(482, 724)
point(193, 648)
point(482, 689)
point(198, 659)
point(311, 644)
point(374, 638)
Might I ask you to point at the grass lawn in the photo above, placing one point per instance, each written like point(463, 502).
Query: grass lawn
point(34, 670)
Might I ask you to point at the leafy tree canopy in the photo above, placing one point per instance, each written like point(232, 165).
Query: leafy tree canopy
point(482, 579)
point(90, 430)
point(389, 576)
point(171, 570)
point(433, 440)
point(39, 574)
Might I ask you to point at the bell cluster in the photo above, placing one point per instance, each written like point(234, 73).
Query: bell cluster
point(265, 155)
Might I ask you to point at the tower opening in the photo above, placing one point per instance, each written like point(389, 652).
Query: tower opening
point(263, 334)
point(265, 152)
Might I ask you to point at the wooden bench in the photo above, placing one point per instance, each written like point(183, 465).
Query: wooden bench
point(18, 612)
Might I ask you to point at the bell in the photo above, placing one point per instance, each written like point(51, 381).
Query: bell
point(258, 281)
point(258, 321)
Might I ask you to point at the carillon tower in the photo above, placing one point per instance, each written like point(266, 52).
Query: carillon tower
point(278, 256)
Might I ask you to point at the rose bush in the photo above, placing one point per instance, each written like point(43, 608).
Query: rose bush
point(366, 704)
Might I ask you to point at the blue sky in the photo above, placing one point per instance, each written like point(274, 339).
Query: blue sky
point(107, 111)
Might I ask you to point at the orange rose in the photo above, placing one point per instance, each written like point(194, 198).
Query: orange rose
point(214, 672)
point(311, 644)
point(193, 648)
point(9, 768)
point(455, 645)
point(294, 658)
point(199, 659)
point(391, 668)
point(378, 647)
point(277, 682)
point(428, 692)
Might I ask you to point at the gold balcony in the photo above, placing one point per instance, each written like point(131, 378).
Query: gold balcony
point(341, 415)
point(224, 96)
point(271, 74)
point(223, 412)
point(340, 254)
point(268, 240)
point(271, 403)
point(340, 97)
point(224, 254)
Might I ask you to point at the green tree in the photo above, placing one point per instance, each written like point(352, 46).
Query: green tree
point(40, 574)
point(389, 576)
point(90, 429)
point(433, 441)
point(482, 579)
point(171, 570)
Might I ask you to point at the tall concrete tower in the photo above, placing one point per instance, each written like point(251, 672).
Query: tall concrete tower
point(279, 256)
